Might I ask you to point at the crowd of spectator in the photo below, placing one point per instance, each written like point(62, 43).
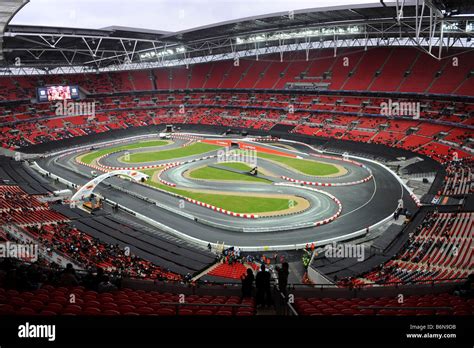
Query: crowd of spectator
point(12, 197)
point(459, 177)
point(433, 236)
point(90, 252)
point(21, 276)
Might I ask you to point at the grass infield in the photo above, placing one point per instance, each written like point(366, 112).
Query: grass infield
point(211, 173)
point(186, 151)
point(90, 157)
point(304, 166)
point(235, 203)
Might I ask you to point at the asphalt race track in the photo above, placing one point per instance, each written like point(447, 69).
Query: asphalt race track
point(363, 204)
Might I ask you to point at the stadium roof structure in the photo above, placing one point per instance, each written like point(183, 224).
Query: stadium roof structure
point(433, 25)
point(8, 8)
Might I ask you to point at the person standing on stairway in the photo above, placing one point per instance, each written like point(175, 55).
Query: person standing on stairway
point(247, 283)
point(262, 282)
point(283, 273)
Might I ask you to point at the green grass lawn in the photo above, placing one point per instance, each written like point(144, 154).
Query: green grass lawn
point(186, 151)
point(304, 166)
point(222, 174)
point(90, 157)
point(236, 165)
point(235, 203)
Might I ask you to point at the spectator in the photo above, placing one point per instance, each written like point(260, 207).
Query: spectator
point(68, 277)
point(262, 282)
point(98, 278)
point(35, 277)
point(467, 288)
point(283, 273)
point(247, 283)
point(106, 285)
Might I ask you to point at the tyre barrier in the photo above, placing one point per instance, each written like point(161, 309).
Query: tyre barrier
point(92, 166)
point(103, 168)
point(202, 204)
point(98, 145)
point(327, 184)
point(164, 182)
point(185, 136)
point(265, 140)
point(170, 165)
point(332, 197)
point(151, 166)
point(416, 199)
point(313, 183)
point(335, 216)
point(340, 159)
point(205, 205)
point(220, 210)
point(173, 165)
point(190, 142)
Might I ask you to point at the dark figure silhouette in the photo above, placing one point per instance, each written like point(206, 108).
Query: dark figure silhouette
point(68, 278)
point(247, 283)
point(466, 289)
point(283, 273)
point(262, 282)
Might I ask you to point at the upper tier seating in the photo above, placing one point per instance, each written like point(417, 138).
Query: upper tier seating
point(401, 69)
point(440, 141)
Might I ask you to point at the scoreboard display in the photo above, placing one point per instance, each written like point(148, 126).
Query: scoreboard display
point(54, 93)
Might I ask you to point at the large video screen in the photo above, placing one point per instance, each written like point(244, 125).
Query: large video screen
point(53, 93)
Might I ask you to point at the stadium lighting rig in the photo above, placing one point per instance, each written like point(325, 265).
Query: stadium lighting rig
point(153, 54)
point(339, 30)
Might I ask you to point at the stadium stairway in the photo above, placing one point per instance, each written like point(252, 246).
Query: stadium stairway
point(206, 271)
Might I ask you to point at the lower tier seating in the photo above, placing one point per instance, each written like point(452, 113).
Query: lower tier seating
point(431, 304)
point(234, 271)
point(439, 248)
point(49, 300)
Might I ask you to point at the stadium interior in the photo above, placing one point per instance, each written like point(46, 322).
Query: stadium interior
point(115, 169)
